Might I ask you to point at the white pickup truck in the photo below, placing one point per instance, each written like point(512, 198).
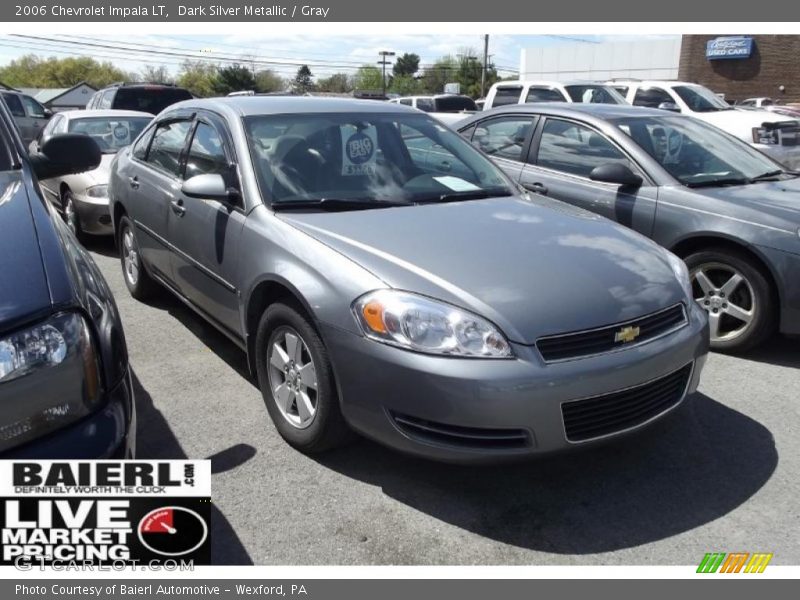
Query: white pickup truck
point(776, 135)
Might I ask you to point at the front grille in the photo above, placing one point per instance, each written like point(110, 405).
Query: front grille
point(476, 438)
point(612, 413)
point(605, 339)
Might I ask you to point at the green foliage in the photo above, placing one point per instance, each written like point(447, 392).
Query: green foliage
point(234, 78)
point(303, 81)
point(268, 80)
point(407, 64)
point(368, 77)
point(155, 74)
point(198, 77)
point(34, 71)
point(339, 83)
point(464, 68)
point(406, 85)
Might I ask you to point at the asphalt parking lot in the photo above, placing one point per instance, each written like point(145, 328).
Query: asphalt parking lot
point(721, 474)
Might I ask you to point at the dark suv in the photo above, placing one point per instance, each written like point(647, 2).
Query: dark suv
point(65, 387)
point(146, 97)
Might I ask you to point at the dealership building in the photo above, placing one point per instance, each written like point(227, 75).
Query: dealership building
point(738, 66)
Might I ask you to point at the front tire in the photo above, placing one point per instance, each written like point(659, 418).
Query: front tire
point(739, 300)
point(70, 215)
point(138, 282)
point(296, 381)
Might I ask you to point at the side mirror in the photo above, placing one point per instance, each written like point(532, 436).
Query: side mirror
point(66, 154)
point(210, 186)
point(670, 106)
point(48, 113)
point(616, 173)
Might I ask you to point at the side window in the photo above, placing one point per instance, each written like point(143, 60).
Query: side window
point(35, 110)
point(507, 95)
point(14, 105)
point(206, 154)
point(575, 149)
point(651, 97)
point(425, 104)
point(405, 101)
point(467, 133)
point(504, 138)
point(105, 99)
point(622, 89)
point(167, 147)
point(140, 147)
point(540, 94)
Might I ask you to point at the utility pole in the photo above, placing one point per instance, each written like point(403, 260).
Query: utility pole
point(485, 60)
point(383, 62)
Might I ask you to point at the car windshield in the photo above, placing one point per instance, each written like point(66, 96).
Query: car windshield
point(366, 161)
point(698, 154)
point(150, 98)
point(700, 99)
point(110, 133)
point(595, 94)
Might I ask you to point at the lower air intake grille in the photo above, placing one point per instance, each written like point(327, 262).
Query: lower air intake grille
point(462, 437)
point(612, 413)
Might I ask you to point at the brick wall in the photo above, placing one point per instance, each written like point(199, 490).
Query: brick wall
point(775, 61)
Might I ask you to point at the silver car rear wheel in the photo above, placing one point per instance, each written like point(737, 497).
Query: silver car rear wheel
point(292, 377)
point(728, 297)
point(130, 257)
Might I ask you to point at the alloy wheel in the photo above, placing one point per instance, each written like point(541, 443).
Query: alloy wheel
point(292, 377)
point(70, 216)
point(130, 256)
point(728, 297)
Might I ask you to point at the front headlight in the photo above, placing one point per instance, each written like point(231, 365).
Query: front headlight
point(97, 191)
point(49, 378)
point(681, 274)
point(418, 323)
point(763, 135)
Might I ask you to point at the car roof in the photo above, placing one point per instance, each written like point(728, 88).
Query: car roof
point(579, 109)
point(107, 112)
point(550, 82)
point(266, 105)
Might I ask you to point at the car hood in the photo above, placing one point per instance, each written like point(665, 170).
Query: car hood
point(779, 199)
point(741, 122)
point(23, 283)
point(532, 267)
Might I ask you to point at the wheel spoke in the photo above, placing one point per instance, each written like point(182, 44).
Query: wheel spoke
point(737, 312)
point(704, 282)
point(284, 395)
point(304, 407)
point(713, 322)
point(294, 347)
point(278, 359)
point(732, 283)
point(308, 375)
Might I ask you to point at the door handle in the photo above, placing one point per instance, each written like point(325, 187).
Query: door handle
point(445, 166)
point(134, 182)
point(178, 208)
point(536, 188)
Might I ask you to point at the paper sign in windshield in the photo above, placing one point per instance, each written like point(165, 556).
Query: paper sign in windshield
point(122, 135)
point(358, 150)
point(456, 183)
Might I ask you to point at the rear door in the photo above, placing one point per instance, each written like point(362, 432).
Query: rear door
point(206, 232)
point(17, 111)
point(564, 153)
point(36, 117)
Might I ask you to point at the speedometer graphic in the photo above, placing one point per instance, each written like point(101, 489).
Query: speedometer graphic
point(172, 531)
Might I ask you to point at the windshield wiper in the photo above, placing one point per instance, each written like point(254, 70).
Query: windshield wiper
point(334, 204)
point(465, 196)
point(719, 182)
point(770, 175)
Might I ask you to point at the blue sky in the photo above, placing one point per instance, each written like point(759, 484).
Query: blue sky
point(325, 54)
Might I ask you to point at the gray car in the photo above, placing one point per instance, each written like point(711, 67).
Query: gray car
point(728, 210)
point(426, 305)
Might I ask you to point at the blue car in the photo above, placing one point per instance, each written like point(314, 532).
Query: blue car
point(65, 385)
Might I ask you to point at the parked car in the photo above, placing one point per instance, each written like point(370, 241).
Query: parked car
point(82, 198)
point(28, 115)
point(146, 97)
point(65, 385)
point(730, 212)
point(770, 105)
point(425, 305)
point(445, 108)
point(524, 92)
point(774, 134)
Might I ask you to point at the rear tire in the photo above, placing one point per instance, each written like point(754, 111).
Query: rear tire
point(70, 215)
point(138, 282)
point(296, 381)
point(737, 295)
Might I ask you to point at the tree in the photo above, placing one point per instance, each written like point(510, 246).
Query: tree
point(407, 64)
point(442, 71)
point(368, 77)
point(464, 69)
point(198, 77)
point(405, 85)
point(338, 83)
point(234, 78)
point(268, 80)
point(31, 70)
point(156, 74)
point(303, 81)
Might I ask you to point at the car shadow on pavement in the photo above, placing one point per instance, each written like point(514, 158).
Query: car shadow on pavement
point(155, 440)
point(691, 468)
point(779, 350)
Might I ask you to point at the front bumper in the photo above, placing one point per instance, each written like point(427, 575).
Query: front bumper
point(381, 387)
point(789, 156)
point(108, 433)
point(94, 215)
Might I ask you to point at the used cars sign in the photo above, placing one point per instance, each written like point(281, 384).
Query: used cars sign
point(729, 47)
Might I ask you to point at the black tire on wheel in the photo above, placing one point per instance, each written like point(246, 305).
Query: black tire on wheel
point(764, 304)
point(66, 199)
point(138, 282)
point(328, 428)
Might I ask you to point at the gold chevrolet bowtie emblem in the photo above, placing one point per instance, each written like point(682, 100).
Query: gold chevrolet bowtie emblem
point(626, 334)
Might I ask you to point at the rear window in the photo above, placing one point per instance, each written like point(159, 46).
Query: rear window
point(152, 99)
point(455, 104)
point(507, 95)
point(14, 105)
